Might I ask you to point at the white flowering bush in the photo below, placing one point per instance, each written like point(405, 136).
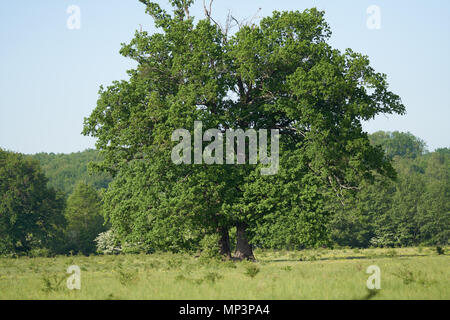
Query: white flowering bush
point(106, 243)
point(383, 240)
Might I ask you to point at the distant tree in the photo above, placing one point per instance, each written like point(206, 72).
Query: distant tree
point(413, 210)
point(398, 226)
point(403, 144)
point(65, 170)
point(354, 224)
point(433, 217)
point(84, 218)
point(31, 214)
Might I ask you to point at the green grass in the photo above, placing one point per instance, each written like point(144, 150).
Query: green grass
point(406, 273)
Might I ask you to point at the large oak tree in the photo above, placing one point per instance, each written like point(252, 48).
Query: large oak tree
point(280, 74)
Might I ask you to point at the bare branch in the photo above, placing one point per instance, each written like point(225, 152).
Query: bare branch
point(228, 23)
point(208, 14)
point(237, 22)
point(254, 16)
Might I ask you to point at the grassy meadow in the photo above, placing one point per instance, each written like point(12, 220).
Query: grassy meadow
point(406, 273)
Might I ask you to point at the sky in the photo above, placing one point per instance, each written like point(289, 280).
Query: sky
point(51, 71)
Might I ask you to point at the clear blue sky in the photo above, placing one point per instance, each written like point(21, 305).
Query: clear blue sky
point(50, 75)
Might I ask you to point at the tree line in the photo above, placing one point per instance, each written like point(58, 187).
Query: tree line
point(36, 218)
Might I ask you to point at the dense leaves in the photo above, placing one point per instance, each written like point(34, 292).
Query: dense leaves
point(402, 144)
point(84, 219)
point(64, 171)
point(413, 210)
point(281, 74)
point(31, 214)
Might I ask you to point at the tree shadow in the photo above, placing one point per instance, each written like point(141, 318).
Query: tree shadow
point(347, 258)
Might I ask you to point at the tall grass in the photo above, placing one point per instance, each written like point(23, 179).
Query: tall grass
point(406, 273)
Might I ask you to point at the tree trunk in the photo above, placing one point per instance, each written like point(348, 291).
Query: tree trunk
point(243, 249)
point(224, 242)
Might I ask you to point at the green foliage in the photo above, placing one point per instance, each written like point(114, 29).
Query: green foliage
point(229, 264)
point(308, 257)
point(40, 252)
point(31, 214)
point(127, 277)
point(400, 144)
point(52, 282)
point(84, 218)
point(251, 270)
point(149, 214)
point(174, 262)
point(413, 210)
point(409, 276)
point(209, 247)
point(64, 171)
point(287, 268)
point(212, 276)
point(279, 74)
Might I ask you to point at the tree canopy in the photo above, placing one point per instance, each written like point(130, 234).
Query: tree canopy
point(31, 214)
point(64, 171)
point(84, 219)
point(403, 144)
point(280, 74)
point(413, 210)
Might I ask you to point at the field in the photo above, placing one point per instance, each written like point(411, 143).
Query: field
point(406, 273)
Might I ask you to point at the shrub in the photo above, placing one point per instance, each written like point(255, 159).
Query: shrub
point(40, 252)
point(52, 282)
point(127, 277)
point(106, 243)
point(251, 271)
point(212, 277)
point(287, 268)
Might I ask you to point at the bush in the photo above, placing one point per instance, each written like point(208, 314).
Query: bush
point(52, 282)
point(251, 271)
point(212, 277)
point(40, 252)
point(127, 277)
point(106, 243)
